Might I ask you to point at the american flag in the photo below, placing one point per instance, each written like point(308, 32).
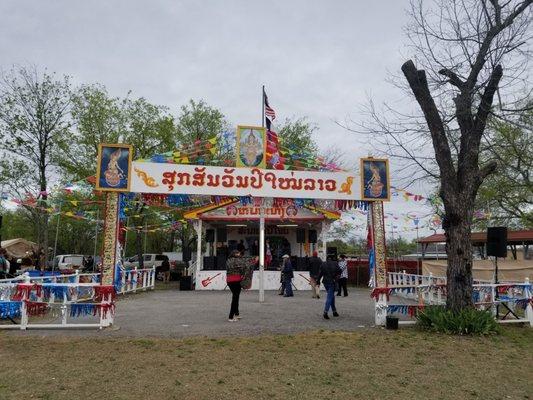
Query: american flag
point(270, 114)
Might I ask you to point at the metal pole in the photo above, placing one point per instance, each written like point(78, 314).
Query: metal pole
point(96, 239)
point(57, 235)
point(263, 107)
point(261, 252)
point(125, 239)
point(145, 234)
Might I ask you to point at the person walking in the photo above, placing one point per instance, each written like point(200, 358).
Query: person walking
point(287, 274)
point(343, 280)
point(4, 264)
point(165, 269)
point(329, 273)
point(235, 269)
point(314, 271)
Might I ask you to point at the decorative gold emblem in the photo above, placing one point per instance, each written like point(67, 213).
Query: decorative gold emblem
point(148, 180)
point(346, 187)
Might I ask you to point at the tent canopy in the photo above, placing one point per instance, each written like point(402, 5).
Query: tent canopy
point(508, 270)
point(18, 248)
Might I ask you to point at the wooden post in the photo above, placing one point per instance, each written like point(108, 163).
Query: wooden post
point(380, 267)
point(111, 230)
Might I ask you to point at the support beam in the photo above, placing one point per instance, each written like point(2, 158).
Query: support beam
point(262, 253)
point(198, 226)
point(111, 230)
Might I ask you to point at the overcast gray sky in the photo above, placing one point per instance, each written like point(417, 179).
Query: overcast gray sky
point(318, 59)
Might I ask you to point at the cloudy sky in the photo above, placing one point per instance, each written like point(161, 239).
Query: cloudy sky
point(319, 59)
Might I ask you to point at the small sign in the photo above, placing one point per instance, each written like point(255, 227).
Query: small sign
point(375, 181)
point(251, 146)
point(114, 167)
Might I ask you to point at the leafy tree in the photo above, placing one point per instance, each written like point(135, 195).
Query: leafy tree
point(297, 135)
point(34, 122)
point(508, 193)
point(198, 121)
point(97, 118)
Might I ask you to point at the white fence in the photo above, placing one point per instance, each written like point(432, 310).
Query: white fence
point(423, 290)
point(67, 297)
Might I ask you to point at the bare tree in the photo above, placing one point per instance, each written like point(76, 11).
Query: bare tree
point(461, 48)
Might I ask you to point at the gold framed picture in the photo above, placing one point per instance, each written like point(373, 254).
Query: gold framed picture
point(375, 180)
point(113, 169)
point(251, 146)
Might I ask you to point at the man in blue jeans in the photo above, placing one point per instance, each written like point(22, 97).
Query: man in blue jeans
point(287, 275)
point(329, 274)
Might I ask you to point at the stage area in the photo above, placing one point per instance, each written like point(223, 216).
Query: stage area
point(178, 314)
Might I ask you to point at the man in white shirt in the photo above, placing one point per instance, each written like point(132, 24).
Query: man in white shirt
point(343, 280)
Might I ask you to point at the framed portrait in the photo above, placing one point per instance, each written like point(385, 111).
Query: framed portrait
point(375, 181)
point(114, 167)
point(251, 146)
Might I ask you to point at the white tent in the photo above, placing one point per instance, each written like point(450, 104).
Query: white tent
point(19, 248)
point(508, 270)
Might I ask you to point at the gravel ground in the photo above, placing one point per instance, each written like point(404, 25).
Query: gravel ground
point(177, 314)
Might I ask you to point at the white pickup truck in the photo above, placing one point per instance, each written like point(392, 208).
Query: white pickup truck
point(149, 261)
point(68, 261)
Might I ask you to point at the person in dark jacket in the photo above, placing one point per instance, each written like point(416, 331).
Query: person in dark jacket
point(329, 274)
point(287, 274)
point(235, 270)
point(165, 269)
point(314, 271)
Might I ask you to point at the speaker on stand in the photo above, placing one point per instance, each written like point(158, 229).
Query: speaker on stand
point(313, 238)
point(300, 238)
point(210, 239)
point(497, 247)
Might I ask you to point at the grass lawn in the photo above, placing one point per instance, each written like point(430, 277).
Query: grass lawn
point(367, 364)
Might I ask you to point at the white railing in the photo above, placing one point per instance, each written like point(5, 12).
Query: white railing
point(27, 299)
point(431, 290)
point(130, 280)
point(63, 295)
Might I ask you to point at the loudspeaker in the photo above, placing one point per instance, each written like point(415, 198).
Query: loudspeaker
point(209, 263)
point(312, 236)
point(209, 235)
point(221, 261)
point(300, 235)
point(332, 253)
point(222, 235)
point(497, 241)
point(187, 254)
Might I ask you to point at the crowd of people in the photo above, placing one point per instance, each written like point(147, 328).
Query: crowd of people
point(331, 273)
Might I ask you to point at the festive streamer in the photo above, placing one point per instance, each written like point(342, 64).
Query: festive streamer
point(409, 309)
point(24, 290)
point(82, 309)
point(59, 291)
point(104, 292)
point(376, 292)
point(34, 308)
point(104, 309)
point(10, 309)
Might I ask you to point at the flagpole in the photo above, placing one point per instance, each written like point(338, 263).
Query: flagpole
point(263, 107)
point(262, 223)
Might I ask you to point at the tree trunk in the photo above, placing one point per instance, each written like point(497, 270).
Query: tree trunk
point(457, 226)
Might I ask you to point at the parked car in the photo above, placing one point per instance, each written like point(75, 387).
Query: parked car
point(68, 262)
point(149, 261)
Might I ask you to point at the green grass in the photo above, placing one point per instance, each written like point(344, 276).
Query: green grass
point(366, 364)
